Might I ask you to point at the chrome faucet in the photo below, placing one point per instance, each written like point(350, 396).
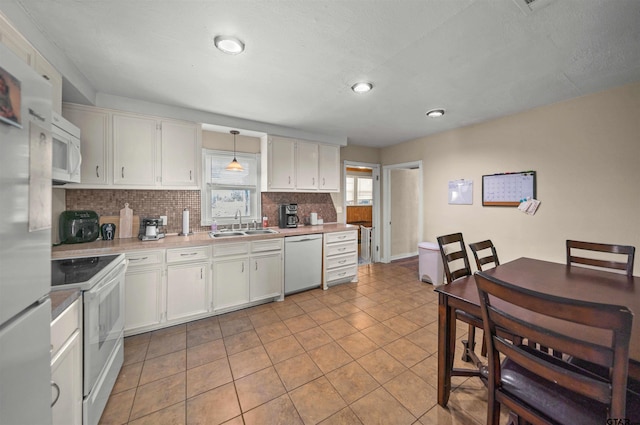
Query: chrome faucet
point(238, 216)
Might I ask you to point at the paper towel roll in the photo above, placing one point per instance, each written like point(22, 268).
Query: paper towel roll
point(185, 221)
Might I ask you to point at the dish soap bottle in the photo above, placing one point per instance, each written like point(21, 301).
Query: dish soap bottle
point(214, 226)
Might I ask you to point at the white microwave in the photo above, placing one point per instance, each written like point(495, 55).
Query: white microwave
point(66, 157)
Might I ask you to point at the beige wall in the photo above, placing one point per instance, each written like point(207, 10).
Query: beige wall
point(224, 142)
point(404, 212)
point(586, 153)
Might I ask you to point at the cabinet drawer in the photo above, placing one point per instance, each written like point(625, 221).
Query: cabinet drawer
point(187, 254)
point(340, 248)
point(341, 274)
point(227, 249)
point(65, 325)
point(341, 237)
point(341, 261)
point(267, 245)
point(144, 258)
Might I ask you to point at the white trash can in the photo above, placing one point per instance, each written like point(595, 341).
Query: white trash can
point(430, 268)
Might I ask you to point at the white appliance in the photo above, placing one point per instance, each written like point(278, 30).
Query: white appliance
point(101, 280)
point(25, 245)
point(66, 156)
point(302, 263)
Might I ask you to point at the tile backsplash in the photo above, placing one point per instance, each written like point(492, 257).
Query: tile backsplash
point(154, 203)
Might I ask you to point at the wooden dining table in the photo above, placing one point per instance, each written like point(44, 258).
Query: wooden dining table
point(573, 282)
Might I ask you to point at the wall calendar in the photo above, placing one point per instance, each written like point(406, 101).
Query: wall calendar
point(508, 189)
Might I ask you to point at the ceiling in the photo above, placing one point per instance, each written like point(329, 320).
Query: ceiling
point(478, 59)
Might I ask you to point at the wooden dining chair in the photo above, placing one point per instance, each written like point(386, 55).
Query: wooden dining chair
point(626, 250)
point(456, 265)
point(539, 388)
point(482, 256)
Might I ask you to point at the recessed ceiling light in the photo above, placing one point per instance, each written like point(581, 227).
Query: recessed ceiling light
point(230, 45)
point(361, 87)
point(435, 113)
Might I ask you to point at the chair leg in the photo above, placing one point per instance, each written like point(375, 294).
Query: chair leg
point(469, 344)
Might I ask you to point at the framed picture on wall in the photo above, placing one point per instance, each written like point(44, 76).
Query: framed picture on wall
point(10, 99)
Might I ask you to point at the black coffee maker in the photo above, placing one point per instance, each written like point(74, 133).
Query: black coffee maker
point(288, 216)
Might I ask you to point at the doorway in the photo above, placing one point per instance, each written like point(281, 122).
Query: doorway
point(362, 207)
point(403, 210)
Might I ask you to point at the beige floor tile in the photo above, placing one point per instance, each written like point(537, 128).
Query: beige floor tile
point(249, 361)
point(424, 339)
point(380, 334)
point(279, 411)
point(357, 345)
point(381, 365)
point(312, 338)
point(300, 323)
point(345, 309)
point(208, 376)
point(401, 325)
point(235, 421)
point(311, 305)
point(343, 417)
point(213, 407)
point(323, 315)
point(162, 344)
point(128, 378)
point(338, 328)
point(360, 320)
point(283, 349)
point(428, 370)
point(329, 357)
point(331, 298)
point(158, 395)
point(205, 353)
point(201, 334)
point(379, 312)
point(316, 400)
point(451, 415)
point(264, 318)
point(137, 339)
point(232, 315)
point(208, 322)
point(272, 332)
point(134, 353)
point(172, 415)
point(352, 381)
point(412, 392)
point(422, 315)
point(241, 341)
point(297, 371)
point(289, 311)
point(379, 407)
point(163, 366)
point(406, 352)
point(259, 388)
point(235, 326)
point(118, 408)
point(168, 331)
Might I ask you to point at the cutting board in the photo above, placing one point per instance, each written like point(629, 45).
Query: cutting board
point(126, 221)
point(115, 219)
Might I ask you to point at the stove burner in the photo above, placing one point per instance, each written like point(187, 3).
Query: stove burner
point(76, 271)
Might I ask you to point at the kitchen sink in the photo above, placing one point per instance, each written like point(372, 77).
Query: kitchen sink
point(226, 234)
point(260, 232)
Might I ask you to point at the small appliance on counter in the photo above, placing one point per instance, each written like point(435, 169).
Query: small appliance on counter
point(149, 230)
point(79, 226)
point(108, 231)
point(288, 215)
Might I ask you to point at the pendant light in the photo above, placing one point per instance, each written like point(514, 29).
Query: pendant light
point(234, 165)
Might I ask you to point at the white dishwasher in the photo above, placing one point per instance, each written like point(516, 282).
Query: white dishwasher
point(302, 263)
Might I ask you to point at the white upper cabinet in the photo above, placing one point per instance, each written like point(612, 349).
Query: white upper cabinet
point(95, 142)
point(134, 150)
point(306, 166)
point(180, 146)
point(290, 165)
point(329, 168)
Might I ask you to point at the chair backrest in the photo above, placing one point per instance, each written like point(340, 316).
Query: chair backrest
point(509, 309)
point(454, 252)
point(627, 250)
point(484, 257)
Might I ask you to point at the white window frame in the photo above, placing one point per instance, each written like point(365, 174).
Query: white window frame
point(207, 186)
point(355, 176)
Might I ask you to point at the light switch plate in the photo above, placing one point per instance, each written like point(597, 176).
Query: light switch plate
point(163, 220)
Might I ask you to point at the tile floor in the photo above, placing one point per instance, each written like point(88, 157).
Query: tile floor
point(358, 353)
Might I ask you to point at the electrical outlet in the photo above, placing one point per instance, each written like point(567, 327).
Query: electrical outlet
point(163, 220)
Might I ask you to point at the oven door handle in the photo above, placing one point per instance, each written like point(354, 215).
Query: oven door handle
point(110, 280)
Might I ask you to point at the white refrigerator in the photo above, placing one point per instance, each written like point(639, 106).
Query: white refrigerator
point(25, 243)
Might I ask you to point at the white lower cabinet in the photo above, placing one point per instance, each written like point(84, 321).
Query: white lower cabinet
point(144, 291)
point(247, 273)
point(66, 366)
point(340, 263)
point(188, 288)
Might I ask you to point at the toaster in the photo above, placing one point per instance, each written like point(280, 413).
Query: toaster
point(79, 226)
